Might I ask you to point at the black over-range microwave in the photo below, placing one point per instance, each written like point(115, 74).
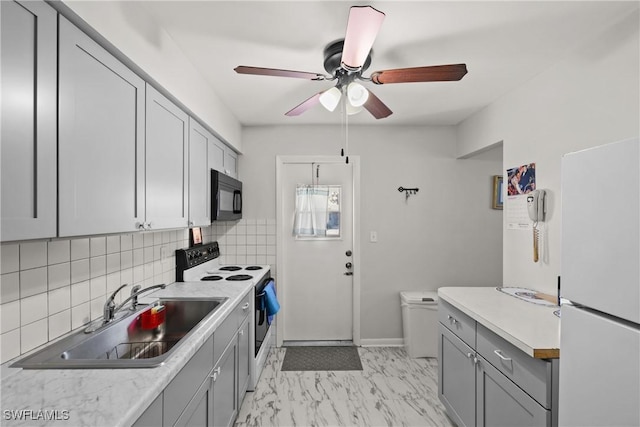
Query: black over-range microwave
point(226, 197)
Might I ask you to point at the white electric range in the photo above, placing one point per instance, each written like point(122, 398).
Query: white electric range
point(201, 263)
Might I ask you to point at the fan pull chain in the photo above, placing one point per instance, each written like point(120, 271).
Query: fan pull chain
point(346, 128)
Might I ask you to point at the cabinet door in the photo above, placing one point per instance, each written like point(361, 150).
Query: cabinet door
point(216, 155)
point(231, 163)
point(199, 411)
point(152, 416)
point(101, 139)
point(456, 377)
point(225, 406)
point(28, 140)
point(199, 175)
point(167, 163)
point(180, 392)
point(502, 403)
point(244, 359)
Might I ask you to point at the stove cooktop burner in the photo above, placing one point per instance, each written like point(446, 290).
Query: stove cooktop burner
point(230, 268)
point(239, 277)
point(253, 267)
point(212, 278)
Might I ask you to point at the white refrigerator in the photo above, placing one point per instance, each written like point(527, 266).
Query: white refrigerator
point(600, 327)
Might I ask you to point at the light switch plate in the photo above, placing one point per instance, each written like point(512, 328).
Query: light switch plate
point(373, 237)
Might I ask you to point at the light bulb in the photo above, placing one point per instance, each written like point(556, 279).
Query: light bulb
point(351, 110)
point(330, 98)
point(357, 94)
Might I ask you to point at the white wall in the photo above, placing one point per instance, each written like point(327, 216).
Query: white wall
point(590, 98)
point(131, 30)
point(446, 235)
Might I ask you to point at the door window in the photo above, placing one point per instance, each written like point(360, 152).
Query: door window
point(317, 212)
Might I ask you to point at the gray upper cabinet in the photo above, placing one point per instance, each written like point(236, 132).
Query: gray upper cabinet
point(199, 174)
point(101, 139)
point(167, 155)
point(28, 140)
point(222, 158)
point(231, 163)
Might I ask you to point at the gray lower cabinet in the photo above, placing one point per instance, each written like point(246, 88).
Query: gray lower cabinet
point(244, 359)
point(500, 402)
point(209, 389)
point(457, 378)
point(486, 381)
point(101, 143)
point(225, 404)
point(28, 141)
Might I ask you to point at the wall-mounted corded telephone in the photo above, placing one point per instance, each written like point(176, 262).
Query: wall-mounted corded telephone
point(536, 207)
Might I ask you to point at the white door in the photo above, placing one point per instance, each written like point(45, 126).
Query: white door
point(317, 297)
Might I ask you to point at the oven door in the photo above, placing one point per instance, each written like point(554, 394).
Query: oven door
point(226, 197)
point(262, 323)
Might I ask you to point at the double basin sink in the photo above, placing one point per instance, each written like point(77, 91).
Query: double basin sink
point(144, 338)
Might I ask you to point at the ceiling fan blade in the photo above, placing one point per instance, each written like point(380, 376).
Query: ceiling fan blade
point(304, 106)
point(243, 69)
point(362, 28)
point(436, 73)
point(376, 107)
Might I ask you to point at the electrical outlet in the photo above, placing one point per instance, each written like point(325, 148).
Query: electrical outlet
point(373, 237)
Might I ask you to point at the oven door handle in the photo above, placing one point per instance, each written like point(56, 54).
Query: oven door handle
point(260, 306)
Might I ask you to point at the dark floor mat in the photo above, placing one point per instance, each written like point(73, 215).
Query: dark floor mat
point(321, 359)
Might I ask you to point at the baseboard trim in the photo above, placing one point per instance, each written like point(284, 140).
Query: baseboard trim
point(381, 342)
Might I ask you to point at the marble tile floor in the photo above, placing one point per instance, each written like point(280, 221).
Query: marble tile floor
point(391, 390)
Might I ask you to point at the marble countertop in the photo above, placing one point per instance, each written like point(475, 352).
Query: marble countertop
point(109, 397)
point(532, 328)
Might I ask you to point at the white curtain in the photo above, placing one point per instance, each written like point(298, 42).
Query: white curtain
point(311, 210)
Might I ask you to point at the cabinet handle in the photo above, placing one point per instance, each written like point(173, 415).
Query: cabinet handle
point(190, 223)
point(501, 356)
point(215, 374)
point(140, 225)
point(245, 306)
point(453, 319)
point(469, 355)
point(241, 332)
point(149, 226)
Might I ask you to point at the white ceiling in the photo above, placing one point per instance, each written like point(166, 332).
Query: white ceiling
point(503, 43)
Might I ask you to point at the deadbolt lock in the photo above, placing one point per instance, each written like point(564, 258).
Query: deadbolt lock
point(348, 253)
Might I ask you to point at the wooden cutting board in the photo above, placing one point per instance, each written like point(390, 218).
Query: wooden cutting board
point(547, 297)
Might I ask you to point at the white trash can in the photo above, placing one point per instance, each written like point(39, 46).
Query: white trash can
point(420, 323)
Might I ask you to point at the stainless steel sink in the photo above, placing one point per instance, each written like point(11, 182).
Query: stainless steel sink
point(134, 341)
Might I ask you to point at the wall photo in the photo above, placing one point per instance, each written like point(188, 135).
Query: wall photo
point(521, 180)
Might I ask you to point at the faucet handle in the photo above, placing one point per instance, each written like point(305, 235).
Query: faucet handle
point(113, 295)
point(135, 289)
point(110, 306)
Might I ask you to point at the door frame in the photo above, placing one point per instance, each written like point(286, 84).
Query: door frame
point(281, 229)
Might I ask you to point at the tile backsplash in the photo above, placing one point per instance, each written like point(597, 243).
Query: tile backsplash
point(51, 287)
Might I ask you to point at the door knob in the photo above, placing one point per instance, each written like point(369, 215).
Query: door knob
point(348, 265)
point(348, 253)
point(349, 273)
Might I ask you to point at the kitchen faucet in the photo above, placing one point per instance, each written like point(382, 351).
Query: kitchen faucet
point(110, 309)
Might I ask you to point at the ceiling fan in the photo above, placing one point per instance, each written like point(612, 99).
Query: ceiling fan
point(346, 59)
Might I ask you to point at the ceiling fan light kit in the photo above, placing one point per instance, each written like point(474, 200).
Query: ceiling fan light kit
point(330, 98)
point(357, 94)
point(345, 60)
